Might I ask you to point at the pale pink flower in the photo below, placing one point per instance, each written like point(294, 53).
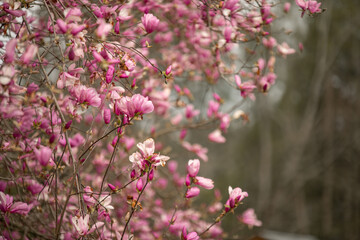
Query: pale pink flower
point(246, 88)
point(287, 6)
point(146, 156)
point(29, 54)
point(213, 108)
point(314, 6)
point(82, 227)
point(206, 183)
point(150, 22)
point(105, 201)
point(216, 136)
point(285, 50)
point(237, 194)
point(249, 218)
point(10, 50)
point(197, 149)
point(103, 29)
point(192, 192)
point(193, 167)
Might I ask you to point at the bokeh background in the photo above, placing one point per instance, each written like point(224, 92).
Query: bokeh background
point(298, 156)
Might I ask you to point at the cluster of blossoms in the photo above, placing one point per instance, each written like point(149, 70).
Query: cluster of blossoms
point(81, 82)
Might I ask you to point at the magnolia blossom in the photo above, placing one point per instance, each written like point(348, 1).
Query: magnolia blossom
point(82, 227)
point(246, 88)
point(85, 95)
point(216, 136)
point(206, 183)
point(192, 192)
point(146, 156)
point(189, 236)
point(43, 155)
point(7, 204)
point(193, 167)
point(285, 50)
point(137, 105)
point(150, 22)
point(197, 149)
point(249, 218)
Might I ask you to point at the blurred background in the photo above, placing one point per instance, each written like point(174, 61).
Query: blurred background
point(298, 157)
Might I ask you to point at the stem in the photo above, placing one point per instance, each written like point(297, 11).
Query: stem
point(134, 208)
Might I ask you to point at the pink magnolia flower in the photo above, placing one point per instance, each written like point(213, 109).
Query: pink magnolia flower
point(43, 155)
point(107, 116)
point(237, 194)
point(285, 50)
point(137, 105)
point(85, 95)
point(206, 183)
point(150, 22)
point(146, 156)
point(82, 227)
point(314, 6)
point(287, 7)
point(193, 167)
point(10, 50)
point(110, 74)
point(192, 192)
point(7, 205)
point(246, 88)
point(197, 149)
point(103, 29)
point(190, 236)
point(249, 218)
point(29, 54)
point(216, 136)
point(190, 112)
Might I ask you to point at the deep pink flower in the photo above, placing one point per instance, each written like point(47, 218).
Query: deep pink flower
point(137, 105)
point(110, 74)
point(150, 22)
point(246, 88)
point(43, 155)
point(190, 112)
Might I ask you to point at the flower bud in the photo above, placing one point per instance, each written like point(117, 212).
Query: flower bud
point(68, 124)
point(112, 187)
point(110, 74)
point(193, 167)
point(139, 185)
point(192, 192)
point(187, 180)
point(107, 116)
point(151, 174)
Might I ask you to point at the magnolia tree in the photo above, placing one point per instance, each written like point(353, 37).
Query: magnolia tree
point(88, 87)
